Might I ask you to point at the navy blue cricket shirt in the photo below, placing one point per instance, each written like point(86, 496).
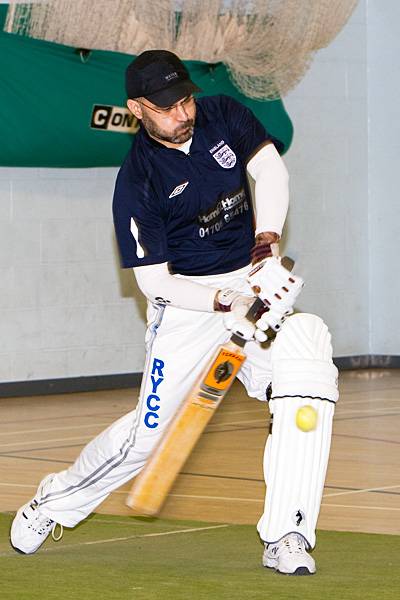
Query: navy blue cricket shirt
point(193, 211)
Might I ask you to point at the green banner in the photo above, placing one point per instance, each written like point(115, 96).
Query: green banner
point(63, 108)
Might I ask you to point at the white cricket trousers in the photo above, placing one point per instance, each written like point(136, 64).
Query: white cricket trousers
point(179, 344)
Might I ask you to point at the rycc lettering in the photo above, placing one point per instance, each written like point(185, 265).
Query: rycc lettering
point(153, 399)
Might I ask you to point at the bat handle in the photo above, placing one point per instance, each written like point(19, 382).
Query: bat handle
point(288, 263)
point(255, 310)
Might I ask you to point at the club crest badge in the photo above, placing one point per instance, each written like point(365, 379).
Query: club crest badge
point(225, 157)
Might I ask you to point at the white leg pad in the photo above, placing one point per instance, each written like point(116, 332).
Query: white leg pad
point(295, 461)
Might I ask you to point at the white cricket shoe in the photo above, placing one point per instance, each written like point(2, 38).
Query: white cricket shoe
point(289, 556)
point(31, 527)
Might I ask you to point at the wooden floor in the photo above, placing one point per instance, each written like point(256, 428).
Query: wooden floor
point(223, 479)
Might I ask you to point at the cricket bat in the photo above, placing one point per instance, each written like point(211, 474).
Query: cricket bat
point(151, 487)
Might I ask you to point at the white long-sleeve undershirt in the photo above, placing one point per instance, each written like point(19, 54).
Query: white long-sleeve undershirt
point(159, 286)
point(271, 189)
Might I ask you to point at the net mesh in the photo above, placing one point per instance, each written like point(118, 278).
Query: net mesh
point(267, 45)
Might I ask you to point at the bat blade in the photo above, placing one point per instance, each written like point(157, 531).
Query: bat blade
point(151, 487)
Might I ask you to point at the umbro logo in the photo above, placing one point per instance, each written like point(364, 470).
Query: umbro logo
point(178, 190)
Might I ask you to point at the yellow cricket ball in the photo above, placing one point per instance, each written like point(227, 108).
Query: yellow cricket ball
point(306, 418)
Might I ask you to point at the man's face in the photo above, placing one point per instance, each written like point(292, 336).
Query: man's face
point(172, 126)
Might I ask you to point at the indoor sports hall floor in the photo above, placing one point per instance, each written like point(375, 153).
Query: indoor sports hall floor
point(223, 480)
point(204, 546)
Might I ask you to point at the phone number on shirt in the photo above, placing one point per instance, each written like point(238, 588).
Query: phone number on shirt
point(218, 225)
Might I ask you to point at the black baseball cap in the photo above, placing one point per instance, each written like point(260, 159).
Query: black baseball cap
point(159, 76)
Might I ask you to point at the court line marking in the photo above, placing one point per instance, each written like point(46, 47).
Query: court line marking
point(213, 497)
point(36, 458)
point(125, 492)
point(89, 521)
point(16, 445)
point(144, 535)
point(223, 424)
point(364, 401)
point(364, 438)
point(112, 414)
point(126, 408)
point(373, 489)
point(341, 413)
point(262, 501)
point(23, 485)
point(16, 451)
point(328, 495)
point(61, 440)
point(360, 416)
point(115, 521)
point(235, 499)
point(368, 390)
point(368, 411)
point(88, 425)
point(362, 507)
point(238, 412)
point(61, 446)
point(211, 429)
point(124, 539)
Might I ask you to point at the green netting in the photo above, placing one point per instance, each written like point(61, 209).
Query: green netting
point(47, 95)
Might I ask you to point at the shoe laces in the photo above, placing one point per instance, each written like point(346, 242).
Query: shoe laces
point(294, 544)
point(44, 524)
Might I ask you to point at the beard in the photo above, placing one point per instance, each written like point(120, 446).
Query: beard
point(179, 135)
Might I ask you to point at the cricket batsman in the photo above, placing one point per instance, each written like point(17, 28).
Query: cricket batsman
point(200, 249)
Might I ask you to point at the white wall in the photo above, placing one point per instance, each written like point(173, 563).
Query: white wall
point(66, 307)
point(328, 162)
point(384, 167)
point(68, 310)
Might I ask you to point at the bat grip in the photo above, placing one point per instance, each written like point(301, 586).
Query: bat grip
point(253, 314)
point(255, 310)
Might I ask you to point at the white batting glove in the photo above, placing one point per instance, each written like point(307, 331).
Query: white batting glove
point(235, 307)
point(278, 288)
